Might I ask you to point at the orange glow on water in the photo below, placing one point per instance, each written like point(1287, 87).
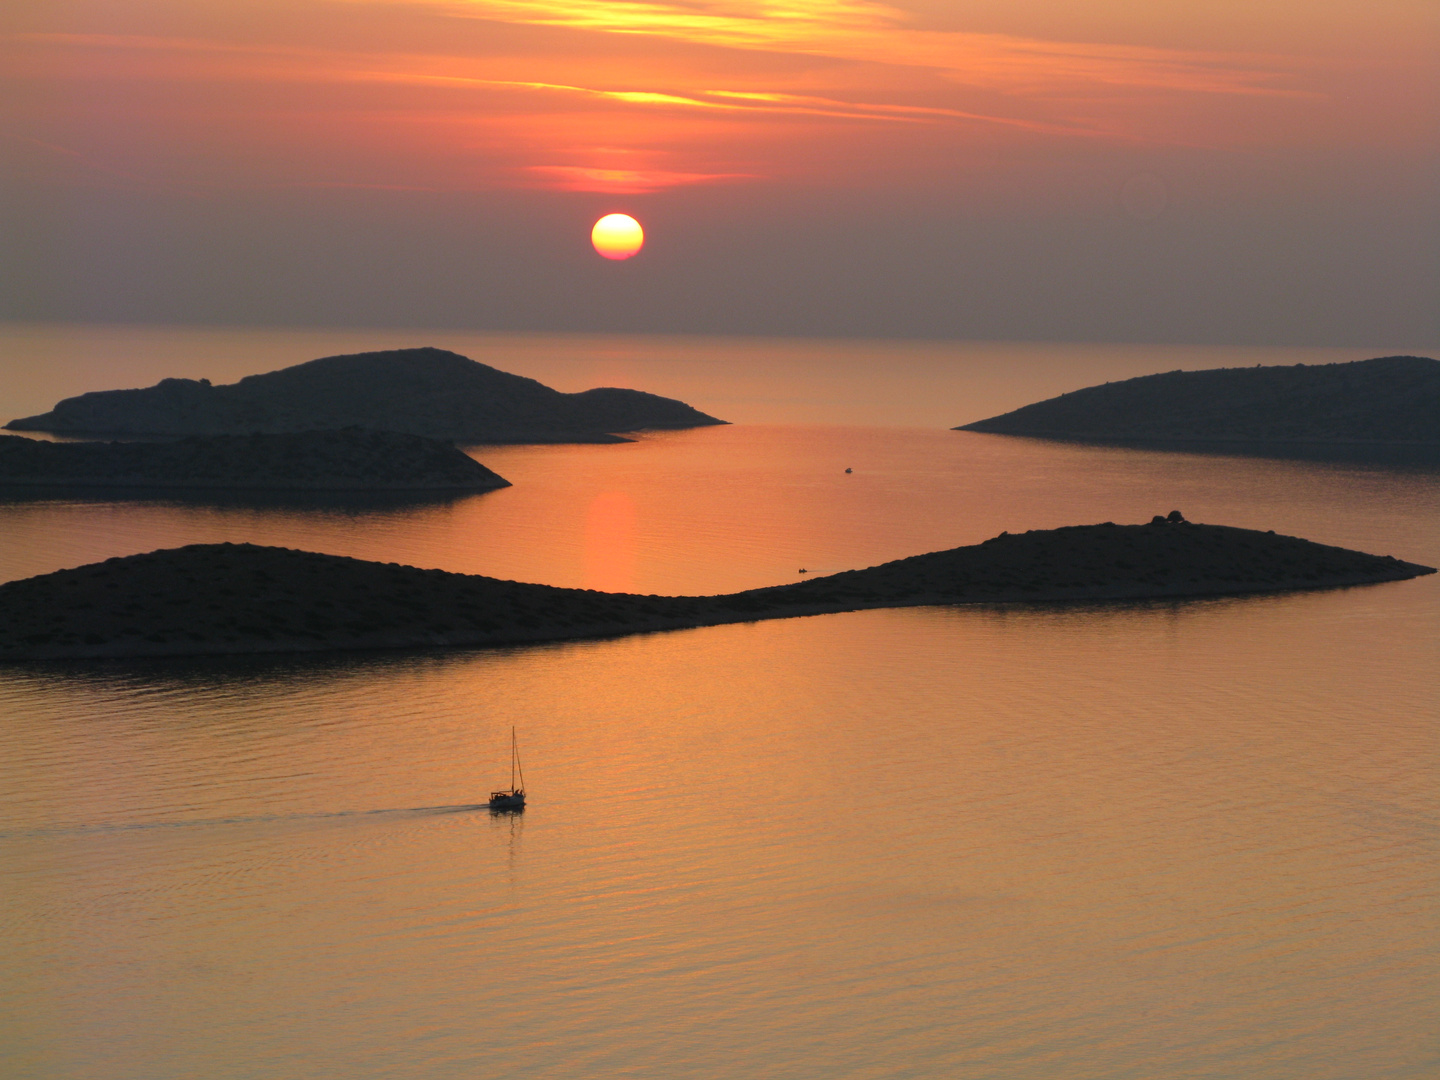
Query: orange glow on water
point(609, 553)
point(617, 236)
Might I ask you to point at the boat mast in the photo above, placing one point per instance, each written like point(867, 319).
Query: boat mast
point(515, 762)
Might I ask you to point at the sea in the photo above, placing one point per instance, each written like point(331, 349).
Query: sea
point(1121, 841)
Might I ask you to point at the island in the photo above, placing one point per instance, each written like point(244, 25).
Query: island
point(1392, 400)
point(352, 459)
point(208, 599)
point(429, 392)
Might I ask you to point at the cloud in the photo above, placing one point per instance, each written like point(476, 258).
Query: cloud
point(623, 181)
point(464, 94)
point(881, 34)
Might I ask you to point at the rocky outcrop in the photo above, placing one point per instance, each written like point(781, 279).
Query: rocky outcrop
point(239, 598)
point(352, 459)
point(429, 392)
point(1388, 400)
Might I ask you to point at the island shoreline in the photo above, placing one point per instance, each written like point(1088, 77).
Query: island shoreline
point(241, 599)
point(468, 643)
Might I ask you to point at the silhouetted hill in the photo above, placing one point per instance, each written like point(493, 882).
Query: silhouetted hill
point(429, 392)
point(1392, 399)
point(239, 598)
point(352, 459)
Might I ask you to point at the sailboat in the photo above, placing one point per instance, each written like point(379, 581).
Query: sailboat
point(514, 797)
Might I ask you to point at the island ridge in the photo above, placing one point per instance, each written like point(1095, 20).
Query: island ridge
point(352, 459)
point(1388, 400)
point(429, 392)
point(241, 598)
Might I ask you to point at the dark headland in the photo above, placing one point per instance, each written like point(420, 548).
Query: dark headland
point(429, 392)
point(226, 598)
point(352, 459)
point(1388, 400)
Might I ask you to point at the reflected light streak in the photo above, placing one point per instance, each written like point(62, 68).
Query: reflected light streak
point(609, 551)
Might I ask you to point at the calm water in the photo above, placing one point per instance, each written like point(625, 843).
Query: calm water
point(1170, 840)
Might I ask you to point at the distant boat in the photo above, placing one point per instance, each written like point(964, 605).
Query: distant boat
point(512, 798)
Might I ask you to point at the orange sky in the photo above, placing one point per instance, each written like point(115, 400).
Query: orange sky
point(1038, 109)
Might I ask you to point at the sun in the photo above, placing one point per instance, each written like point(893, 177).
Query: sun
point(617, 236)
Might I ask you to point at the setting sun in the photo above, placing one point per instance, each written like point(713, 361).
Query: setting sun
point(617, 236)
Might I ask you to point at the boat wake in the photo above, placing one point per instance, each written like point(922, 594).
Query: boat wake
point(252, 819)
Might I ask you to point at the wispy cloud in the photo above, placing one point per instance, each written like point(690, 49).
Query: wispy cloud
point(623, 181)
point(878, 33)
point(763, 89)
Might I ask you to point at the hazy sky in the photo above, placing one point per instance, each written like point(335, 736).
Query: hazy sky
point(1215, 171)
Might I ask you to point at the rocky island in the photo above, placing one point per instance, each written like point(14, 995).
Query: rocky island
point(1388, 400)
point(429, 392)
point(239, 598)
point(352, 459)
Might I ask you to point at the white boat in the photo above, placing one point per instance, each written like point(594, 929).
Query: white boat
point(512, 798)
